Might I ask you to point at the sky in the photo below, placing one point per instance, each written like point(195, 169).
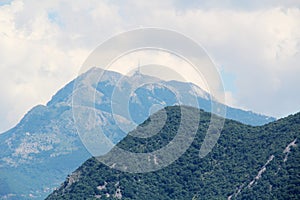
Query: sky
point(254, 44)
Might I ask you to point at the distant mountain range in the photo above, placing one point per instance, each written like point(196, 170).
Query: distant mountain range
point(44, 147)
point(248, 162)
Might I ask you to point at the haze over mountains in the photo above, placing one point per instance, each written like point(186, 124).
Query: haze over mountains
point(37, 154)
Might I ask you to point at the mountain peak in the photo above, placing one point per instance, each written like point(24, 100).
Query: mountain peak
point(46, 140)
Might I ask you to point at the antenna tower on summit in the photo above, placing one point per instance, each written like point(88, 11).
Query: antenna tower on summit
point(139, 68)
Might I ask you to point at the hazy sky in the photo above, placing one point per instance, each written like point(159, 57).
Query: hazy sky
point(255, 45)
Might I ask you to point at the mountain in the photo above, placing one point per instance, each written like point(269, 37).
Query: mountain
point(248, 162)
point(44, 146)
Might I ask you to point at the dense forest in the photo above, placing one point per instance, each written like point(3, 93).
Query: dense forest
point(247, 162)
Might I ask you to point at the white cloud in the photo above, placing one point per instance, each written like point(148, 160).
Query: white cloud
point(33, 64)
point(43, 44)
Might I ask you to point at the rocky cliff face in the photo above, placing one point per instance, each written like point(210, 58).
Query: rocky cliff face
point(44, 147)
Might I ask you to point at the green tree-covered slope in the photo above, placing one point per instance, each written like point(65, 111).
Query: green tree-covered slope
point(247, 163)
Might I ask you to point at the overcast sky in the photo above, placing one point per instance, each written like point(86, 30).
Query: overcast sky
point(255, 45)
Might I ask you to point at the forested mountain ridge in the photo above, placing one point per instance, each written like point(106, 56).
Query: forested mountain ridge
point(246, 163)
